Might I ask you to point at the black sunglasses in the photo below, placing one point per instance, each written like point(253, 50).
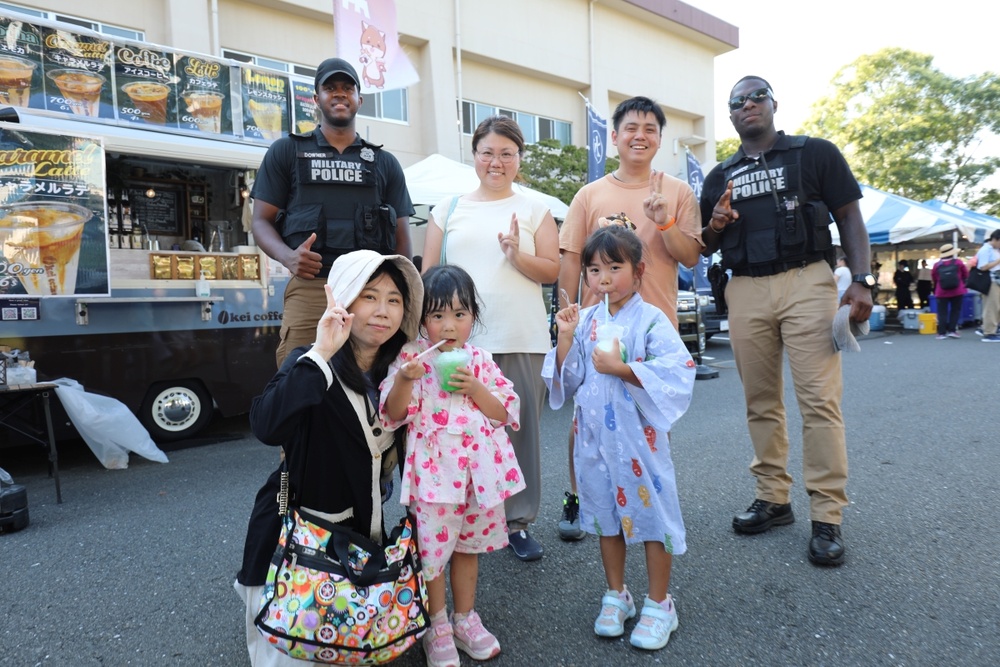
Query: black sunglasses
point(758, 95)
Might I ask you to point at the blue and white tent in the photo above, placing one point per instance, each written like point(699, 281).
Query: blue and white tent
point(984, 224)
point(895, 220)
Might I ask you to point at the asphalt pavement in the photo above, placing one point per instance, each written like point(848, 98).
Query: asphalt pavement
point(136, 566)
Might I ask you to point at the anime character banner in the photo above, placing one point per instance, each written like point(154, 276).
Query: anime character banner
point(367, 38)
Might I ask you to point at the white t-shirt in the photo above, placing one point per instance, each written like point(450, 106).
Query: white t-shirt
point(986, 255)
point(843, 275)
point(513, 313)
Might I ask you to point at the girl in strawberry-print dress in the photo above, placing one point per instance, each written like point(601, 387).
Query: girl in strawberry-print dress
point(460, 465)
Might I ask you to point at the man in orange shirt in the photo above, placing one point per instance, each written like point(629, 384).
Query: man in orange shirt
point(665, 213)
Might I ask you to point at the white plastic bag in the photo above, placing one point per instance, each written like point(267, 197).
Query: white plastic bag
point(107, 426)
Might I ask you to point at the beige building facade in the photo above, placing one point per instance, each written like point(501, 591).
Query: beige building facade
point(527, 58)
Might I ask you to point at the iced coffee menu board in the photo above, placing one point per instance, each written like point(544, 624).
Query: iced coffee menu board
point(20, 64)
point(53, 231)
point(90, 76)
point(265, 104)
point(145, 85)
point(77, 74)
point(203, 94)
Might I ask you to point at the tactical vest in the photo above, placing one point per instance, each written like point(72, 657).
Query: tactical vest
point(337, 197)
point(777, 227)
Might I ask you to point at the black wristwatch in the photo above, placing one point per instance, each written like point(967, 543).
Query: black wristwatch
point(866, 279)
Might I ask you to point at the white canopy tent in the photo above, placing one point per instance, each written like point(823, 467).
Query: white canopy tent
point(436, 177)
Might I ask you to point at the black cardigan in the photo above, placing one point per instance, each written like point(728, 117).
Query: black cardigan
point(326, 453)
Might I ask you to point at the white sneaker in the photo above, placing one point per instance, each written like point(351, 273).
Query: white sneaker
point(616, 608)
point(657, 622)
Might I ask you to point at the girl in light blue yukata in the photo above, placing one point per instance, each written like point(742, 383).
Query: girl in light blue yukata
point(631, 378)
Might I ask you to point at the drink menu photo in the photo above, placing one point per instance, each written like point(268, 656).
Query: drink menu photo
point(78, 74)
point(146, 80)
point(203, 94)
point(53, 220)
point(265, 104)
point(20, 64)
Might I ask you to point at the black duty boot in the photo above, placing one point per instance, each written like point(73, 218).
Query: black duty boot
point(827, 545)
point(761, 516)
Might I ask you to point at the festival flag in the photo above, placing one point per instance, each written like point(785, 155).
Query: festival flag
point(366, 37)
point(597, 131)
point(696, 180)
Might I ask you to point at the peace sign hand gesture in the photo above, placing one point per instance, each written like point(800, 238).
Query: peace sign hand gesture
point(655, 205)
point(334, 327)
point(511, 241)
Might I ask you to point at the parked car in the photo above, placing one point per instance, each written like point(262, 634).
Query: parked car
point(714, 322)
point(690, 325)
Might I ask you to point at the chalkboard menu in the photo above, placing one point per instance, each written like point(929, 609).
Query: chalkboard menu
point(161, 214)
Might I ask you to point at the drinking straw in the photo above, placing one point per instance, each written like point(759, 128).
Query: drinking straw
point(432, 347)
point(607, 308)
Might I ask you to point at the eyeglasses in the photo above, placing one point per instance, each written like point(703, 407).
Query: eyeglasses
point(488, 156)
point(758, 95)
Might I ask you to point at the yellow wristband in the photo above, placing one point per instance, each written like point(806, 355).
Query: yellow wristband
point(670, 223)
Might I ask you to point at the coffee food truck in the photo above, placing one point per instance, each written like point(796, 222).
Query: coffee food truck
point(125, 258)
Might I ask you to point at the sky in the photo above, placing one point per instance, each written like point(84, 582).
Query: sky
point(798, 45)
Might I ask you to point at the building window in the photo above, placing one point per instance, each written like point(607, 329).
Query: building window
point(96, 26)
point(24, 10)
point(270, 63)
point(386, 105)
point(534, 127)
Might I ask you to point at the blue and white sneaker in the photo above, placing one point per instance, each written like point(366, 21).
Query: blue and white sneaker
point(656, 624)
point(616, 608)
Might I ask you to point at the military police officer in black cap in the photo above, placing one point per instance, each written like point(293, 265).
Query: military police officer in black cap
point(323, 194)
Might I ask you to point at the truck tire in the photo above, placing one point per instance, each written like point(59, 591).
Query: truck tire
point(176, 410)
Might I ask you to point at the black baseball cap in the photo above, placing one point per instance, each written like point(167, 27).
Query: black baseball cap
point(332, 66)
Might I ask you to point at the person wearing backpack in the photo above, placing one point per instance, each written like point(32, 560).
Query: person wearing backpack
point(949, 276)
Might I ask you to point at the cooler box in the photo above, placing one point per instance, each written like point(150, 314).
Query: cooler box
point(910, 319)
point(876, 322)
point(928, 323)
point(972, 309)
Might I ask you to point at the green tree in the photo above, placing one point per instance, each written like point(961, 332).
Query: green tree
point(725, 147)
point(558, 170)
point(907, 128)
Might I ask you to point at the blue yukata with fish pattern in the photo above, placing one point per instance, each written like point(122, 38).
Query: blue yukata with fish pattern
point(624, 474)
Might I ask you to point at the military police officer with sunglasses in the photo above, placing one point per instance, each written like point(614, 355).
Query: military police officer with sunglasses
point(769, 208)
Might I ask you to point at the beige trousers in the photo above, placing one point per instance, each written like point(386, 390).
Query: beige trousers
point(792, 311)
point(991, 310)
point(305, 303)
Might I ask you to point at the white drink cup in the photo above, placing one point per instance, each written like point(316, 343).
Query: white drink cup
point(41, 243)
point(606, 335)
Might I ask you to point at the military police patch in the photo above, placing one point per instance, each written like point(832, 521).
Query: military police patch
point(367, 154)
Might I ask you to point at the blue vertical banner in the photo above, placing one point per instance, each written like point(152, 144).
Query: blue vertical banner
point(696, 180)
point(597, 133)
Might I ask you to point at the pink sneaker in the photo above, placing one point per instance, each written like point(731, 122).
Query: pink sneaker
point(439, 646)
point(472, 638)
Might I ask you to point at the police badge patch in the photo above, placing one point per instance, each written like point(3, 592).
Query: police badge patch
point(367, 154)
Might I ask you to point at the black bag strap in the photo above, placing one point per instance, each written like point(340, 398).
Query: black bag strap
point(338, 548)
